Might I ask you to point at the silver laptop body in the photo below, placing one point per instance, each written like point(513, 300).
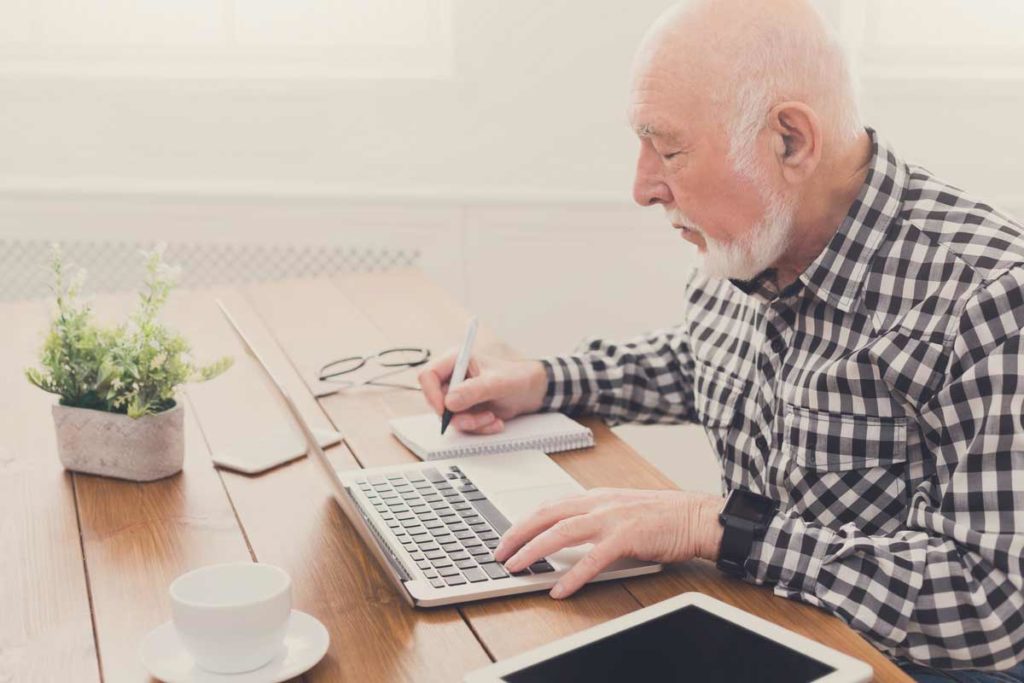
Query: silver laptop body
point(433, 525)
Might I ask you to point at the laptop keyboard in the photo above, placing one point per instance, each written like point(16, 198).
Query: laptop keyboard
point(448, 526)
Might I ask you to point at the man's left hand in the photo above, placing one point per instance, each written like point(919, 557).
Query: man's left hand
point(656, 526)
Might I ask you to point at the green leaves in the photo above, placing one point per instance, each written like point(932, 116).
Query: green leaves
point(133, 368)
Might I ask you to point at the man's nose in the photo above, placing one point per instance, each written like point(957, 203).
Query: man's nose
point(648, 187)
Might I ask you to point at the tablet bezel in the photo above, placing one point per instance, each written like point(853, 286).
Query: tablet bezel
point(847, 669)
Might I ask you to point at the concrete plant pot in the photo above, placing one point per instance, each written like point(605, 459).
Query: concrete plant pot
point(113, 445)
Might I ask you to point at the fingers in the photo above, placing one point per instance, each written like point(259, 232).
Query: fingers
point(548, 515)
point(433, 378)
point(567, 533)
point(589, 566)
point(478, 422)
point(473, 391)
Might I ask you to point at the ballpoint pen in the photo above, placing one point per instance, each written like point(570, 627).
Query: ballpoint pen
point(461, 365)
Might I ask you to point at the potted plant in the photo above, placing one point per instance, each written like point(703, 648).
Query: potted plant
point(117, 415)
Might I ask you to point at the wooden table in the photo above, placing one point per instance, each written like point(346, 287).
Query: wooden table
point(87, 561)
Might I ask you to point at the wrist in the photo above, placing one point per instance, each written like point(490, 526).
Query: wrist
point(536, 386)
point(708, 533)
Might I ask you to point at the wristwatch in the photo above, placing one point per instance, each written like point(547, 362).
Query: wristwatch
point(745, 518)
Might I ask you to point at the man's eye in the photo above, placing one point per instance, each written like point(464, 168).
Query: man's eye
point(669, 156)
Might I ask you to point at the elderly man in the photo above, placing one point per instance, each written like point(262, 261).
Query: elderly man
point(852, 346)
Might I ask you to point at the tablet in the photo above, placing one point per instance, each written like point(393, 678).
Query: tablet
point(691, 637)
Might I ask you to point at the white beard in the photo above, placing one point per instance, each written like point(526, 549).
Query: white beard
point(762, 246)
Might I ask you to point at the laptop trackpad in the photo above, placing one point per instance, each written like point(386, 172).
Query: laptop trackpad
point(520, 503)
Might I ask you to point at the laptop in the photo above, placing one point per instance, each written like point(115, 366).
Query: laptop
point(433, 526)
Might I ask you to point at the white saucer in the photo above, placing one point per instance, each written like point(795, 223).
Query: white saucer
point(305, 644)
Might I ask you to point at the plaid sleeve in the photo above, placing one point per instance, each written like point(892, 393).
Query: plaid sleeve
point(648, 379)
point(947, 588)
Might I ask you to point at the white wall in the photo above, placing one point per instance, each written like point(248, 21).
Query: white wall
point(512, 176)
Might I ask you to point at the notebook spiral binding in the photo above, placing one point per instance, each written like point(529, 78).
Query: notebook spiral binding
point(554, 444)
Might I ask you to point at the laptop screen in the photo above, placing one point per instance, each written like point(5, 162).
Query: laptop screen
point(689, 644)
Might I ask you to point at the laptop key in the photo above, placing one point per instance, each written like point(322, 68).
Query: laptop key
point(475, 575)
point(473, 544)
point(541, 567)
point(474, 496)
point(453, 546)
point(449, 571)
point(491, 543)
point(491, 514)
point(481, 554)
point(442, 562)
point(458, 555)
point(435, 554)
point(432, 474)
point(424, 564)
point(456, 580)
point(465, 564)
point(494, 570)
point(480, 527)
point(488, 536)
point(465, 535)
point(439, 531)
point(429, 546)
point(437, 583)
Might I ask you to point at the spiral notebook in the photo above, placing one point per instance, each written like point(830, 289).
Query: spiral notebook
point(548, 432)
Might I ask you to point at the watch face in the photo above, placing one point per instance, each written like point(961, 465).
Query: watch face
point(749, 506)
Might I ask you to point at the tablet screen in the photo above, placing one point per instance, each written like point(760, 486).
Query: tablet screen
point(689, 644)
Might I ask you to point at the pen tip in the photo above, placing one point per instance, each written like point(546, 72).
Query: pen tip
point(445, 419)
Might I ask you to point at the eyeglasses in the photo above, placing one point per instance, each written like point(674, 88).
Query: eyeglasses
point(395, 360)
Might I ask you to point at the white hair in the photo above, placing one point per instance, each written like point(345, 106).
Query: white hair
point(783, 62)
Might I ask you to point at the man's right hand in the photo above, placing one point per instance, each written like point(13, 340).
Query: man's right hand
point(494, 391)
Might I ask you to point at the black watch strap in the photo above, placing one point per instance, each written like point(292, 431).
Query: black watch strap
point(736, 544)
point(744, 520)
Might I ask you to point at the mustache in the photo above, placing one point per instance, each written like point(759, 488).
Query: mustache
point(677, 217)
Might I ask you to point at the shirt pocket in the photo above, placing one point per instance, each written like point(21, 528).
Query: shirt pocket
point(844, 468)
point(716, 397)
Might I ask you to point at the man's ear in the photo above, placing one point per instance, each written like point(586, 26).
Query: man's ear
point(797, 136)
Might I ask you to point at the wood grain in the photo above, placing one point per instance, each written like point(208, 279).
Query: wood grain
point(45, 625)
point(137, 537)
point(291, 519)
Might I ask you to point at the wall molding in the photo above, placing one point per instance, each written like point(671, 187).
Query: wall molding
point(285, 192)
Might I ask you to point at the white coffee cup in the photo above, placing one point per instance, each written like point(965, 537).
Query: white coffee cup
point(232, 617)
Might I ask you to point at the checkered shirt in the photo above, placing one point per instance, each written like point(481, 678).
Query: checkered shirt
point(880, 399)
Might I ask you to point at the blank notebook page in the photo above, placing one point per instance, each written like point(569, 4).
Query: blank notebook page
point(548, 432)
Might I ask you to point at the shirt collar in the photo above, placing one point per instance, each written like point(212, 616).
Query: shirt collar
point(838, 272)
